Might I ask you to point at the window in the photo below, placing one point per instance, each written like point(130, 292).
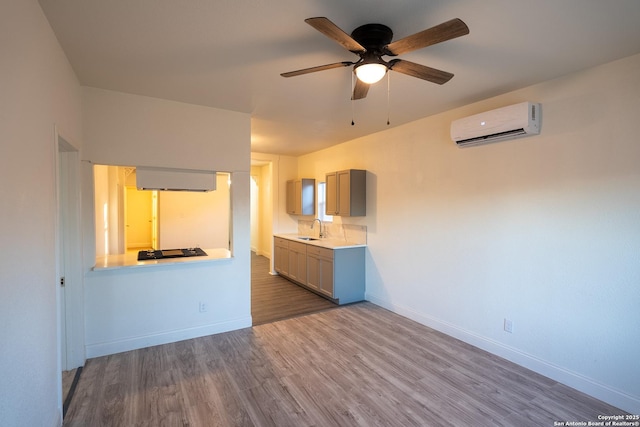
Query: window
point(322, 203)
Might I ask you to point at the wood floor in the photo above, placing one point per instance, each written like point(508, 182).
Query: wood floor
point(275, 298)
point(67, 381)
point(358, 365)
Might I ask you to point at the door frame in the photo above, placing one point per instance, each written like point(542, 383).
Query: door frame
point(68, 248)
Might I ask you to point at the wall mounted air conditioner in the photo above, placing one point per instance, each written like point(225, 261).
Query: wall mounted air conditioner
point(167, 179)
point(514, 121)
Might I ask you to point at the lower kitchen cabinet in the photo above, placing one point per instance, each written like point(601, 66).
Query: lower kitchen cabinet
point(337, 274)
point(320, 270)
point(298, 261)
point(281, 259)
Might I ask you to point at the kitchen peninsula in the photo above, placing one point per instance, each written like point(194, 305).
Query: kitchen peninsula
point(110, 262)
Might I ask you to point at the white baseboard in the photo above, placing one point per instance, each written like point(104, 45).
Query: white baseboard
point(134, 343)
point(574, 380)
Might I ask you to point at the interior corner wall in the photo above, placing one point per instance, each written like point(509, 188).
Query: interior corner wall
point(131, 308)
point(38, 89)
point(543, 231)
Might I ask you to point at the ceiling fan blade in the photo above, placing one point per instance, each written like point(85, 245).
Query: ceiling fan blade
point(331, 30)
point(318, 68)
point(360, 90)
point(420, 71)
point(440, 33)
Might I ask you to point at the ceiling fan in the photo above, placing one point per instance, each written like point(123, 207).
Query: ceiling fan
point(373, 41)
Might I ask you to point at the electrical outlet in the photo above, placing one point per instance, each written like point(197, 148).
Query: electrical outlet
point(203, 307)
point(508, 326)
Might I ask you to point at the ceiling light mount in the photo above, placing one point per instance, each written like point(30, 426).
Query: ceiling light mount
point(371, 68)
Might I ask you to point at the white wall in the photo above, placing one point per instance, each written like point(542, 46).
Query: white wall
point(38, 90)
point(266, 212)
point(137, 307)
point(145, 131)
point(190, 219)
point(544, 231)
point(261, 209)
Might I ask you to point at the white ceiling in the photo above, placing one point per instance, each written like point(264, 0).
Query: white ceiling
point(229, 54)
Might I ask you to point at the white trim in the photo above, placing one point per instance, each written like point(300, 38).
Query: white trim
point(135, 343)
point(74, 289)
point(572, 379)
point(68, 240)
point(59, 300)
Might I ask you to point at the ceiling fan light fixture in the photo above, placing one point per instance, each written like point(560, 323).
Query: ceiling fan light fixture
point(371, 72)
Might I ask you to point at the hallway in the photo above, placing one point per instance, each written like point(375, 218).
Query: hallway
point(275, 298)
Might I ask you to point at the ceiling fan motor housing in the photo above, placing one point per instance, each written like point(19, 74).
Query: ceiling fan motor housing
point(373, 37)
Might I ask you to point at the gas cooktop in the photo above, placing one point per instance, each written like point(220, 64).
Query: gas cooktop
point(170, 253)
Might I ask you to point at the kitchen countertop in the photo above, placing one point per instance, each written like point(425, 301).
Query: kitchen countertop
point(111, 262)
point(329, 243)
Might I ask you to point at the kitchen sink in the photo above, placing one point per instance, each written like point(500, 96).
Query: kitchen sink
point(307, 238)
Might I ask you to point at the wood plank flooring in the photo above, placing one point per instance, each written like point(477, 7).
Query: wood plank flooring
point(67, 380)
point(358, 365)
point(275, 298)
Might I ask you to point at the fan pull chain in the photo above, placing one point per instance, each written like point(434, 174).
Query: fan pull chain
point(352, 100)
point(388, 95)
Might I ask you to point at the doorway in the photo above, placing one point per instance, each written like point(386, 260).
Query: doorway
point(272, 296)
point(140, 219)
point(262, 202)
point(69, 278)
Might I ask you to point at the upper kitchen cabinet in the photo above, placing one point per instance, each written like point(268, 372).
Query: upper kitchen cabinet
point(301, 196)
point(346, 193)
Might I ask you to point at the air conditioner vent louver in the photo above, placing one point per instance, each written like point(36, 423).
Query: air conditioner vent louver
point(502, 124)
point(510, 134)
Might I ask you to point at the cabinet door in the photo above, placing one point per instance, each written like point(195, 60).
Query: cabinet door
point(281, 253)
point(293, 264)
point(297, 196)
point(301, 268)
point(331, 193)
point(313, 271)
point(344, 193)
point(357, 192)
point(281, 262)
point(291, 197)
point(297, 265)
point(298, 262)
point(320, 270)
point(326, 276)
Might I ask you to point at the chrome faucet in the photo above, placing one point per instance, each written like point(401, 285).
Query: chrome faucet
point(320, 234)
